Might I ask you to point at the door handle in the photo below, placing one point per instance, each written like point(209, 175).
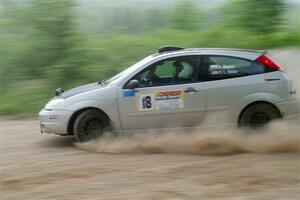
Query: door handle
point(272, 79)
point(190, 90)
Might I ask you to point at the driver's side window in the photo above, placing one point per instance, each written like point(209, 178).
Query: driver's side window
point(170, 71)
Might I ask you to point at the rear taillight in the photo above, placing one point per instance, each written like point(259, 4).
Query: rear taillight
point(268, 62)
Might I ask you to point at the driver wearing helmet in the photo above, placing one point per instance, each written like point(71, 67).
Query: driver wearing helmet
point(184, 71)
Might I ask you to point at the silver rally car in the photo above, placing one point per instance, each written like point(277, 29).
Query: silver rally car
point(176, 87)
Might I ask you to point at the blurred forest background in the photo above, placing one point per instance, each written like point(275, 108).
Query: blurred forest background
point(46, 44)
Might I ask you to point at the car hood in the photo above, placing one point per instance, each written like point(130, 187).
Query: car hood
point(80, 89)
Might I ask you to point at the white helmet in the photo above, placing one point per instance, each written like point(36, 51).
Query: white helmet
point(187, 71)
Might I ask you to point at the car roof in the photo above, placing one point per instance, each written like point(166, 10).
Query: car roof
point(244, 53)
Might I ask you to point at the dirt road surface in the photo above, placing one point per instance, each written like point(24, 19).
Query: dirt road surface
point(35, 166)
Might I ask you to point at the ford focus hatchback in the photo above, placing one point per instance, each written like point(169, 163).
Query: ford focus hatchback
point(176, 88)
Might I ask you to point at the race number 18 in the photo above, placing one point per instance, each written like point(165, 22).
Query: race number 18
point(146, 102)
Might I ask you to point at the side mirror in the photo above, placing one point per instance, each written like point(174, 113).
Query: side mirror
point(132, 84)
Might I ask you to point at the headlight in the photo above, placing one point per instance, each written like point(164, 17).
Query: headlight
point(53, 103)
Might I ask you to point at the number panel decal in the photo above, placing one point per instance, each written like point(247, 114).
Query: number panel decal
point(161, 100)
point(145, 102)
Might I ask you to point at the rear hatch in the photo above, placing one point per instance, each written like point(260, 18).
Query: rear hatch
point(276, 73)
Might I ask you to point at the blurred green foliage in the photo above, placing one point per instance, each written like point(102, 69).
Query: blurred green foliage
point(263, 16)
point(186, 17)
point(49, 44)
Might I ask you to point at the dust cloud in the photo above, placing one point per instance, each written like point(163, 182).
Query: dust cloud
point(279, 136)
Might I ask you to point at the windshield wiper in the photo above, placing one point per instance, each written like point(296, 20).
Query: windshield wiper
point(59, 91)
point(103, 82)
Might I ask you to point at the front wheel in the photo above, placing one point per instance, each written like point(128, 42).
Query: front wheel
point(258, 115)
point(90, 125)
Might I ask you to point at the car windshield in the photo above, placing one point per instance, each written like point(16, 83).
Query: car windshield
point(129, 70)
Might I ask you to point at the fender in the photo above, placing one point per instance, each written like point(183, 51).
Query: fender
point(108, 107)
point(255, 97)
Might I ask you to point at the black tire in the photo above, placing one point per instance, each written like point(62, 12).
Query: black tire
point(90, 125)
point(258, 115)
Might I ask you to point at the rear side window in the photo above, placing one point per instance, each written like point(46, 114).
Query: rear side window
point(224, 67)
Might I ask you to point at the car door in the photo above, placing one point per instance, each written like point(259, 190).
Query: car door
point(228, 79)
point(168, 95)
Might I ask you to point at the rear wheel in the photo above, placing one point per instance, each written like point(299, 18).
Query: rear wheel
point(90, 125)
point(258, 115)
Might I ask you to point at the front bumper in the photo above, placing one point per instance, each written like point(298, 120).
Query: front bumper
point(54, 121)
